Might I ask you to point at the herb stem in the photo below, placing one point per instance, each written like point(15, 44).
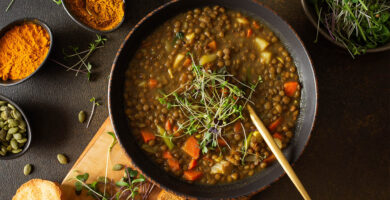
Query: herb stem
point(9, 5)
point(68, 68)
point(356, 21)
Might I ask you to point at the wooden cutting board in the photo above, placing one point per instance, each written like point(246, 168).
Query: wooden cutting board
point(93, 161)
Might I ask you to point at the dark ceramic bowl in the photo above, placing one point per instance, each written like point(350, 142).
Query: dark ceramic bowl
point(19, 22)
point(312, 16)
point(155, 173)
point(85, 26)
point(10, 156)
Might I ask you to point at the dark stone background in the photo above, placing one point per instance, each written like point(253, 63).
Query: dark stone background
point(346, 158)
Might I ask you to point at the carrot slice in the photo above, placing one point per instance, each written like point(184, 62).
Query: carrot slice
point(152, 83)
point(147, 136)
point(237, 127)
point(187, 62)
point(278, 135)
point(290, 88)
point(221, 142)
point(192, 164)
point(191, 147)
point(212, 45)
point(173, 164)
point(270, 158)
point(168, 126)
point(272, 127)
point(249, 32)
point(207, 159)
point(176, 131)
point(224, 91)
point(255, 25)
point(167, 155)
point(192, 175)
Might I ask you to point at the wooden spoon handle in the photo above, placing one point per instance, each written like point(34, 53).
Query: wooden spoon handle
point(278, 153)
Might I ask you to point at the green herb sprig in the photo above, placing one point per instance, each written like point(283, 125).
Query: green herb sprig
point(82, 57)
point(179, 36)
point(9, 5)
point(210, 102)
point(58, 2)
point(359, 25)
point(94, 104)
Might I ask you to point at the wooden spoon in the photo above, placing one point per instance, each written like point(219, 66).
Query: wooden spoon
point(278, 153)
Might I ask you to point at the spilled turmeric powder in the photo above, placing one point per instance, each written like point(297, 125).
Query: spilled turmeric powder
point(98, 14)
point(22, 50)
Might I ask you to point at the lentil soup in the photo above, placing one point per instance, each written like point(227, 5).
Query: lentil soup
point(186, 90)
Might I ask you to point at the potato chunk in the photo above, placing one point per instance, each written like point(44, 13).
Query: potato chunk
point(207, 59)
point(222, 167)
point(261, 43)
point(242, 20)
point(190, 36)
point(178, 59)
point(266, 56)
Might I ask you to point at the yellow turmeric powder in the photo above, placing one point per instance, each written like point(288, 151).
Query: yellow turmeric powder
point(98, 14)
point(22, 50)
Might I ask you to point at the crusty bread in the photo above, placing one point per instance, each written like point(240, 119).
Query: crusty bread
point(164, 195)
point(38, 189)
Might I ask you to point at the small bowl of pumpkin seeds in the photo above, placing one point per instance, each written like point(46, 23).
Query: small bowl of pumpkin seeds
point(15, 131)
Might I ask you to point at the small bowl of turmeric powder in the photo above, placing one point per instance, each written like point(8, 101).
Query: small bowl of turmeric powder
point(99, 16)
point(25, 45)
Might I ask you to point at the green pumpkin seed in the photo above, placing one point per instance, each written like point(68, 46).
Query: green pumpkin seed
point(8, 137)
point(3, 108)
point(117, 167)
point(12, 123)
point(16, 151)
point(22, 125)
point(13, 130)
point(11, 106)
point(82, 116)
point(27, 169)
point(3, 134)
point(22, 141)
point(62, 159)
point(3, 149)
point(14, 144)
point(16, 114)
point(17, 136)
point(4, 115)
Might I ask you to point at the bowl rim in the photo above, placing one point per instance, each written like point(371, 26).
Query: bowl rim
point(21, 21)
point(314, 96)
point(311, 17)
point(29, 134)
point(85, 26)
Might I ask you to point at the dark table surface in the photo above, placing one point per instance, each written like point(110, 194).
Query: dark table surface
point(346, 158)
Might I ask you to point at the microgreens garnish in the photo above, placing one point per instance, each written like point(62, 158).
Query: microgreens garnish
point(94, 104)
point(357, 24)
point(128, 187)
point(210, 102)
point(114, 140)
point(82, 57)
